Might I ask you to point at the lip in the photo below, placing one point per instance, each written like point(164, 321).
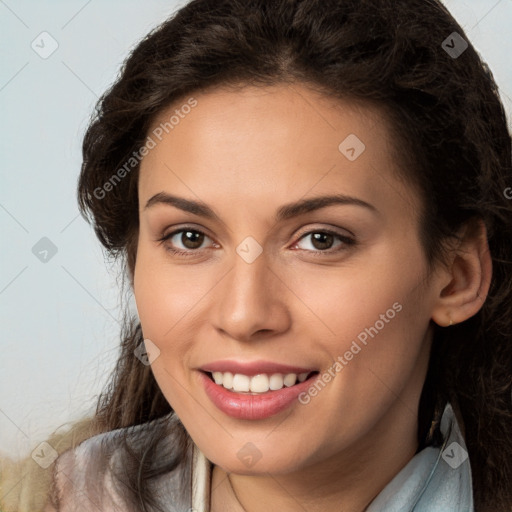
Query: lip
point(253, 407)
point(251, 368)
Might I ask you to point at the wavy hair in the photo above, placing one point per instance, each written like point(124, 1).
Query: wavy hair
point(451, 141)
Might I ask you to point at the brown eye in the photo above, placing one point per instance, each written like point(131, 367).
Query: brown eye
point(191, 239)
point(185, 241)
point(324, 242)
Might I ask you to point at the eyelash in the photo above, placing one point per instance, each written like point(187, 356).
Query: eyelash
point(347, 241)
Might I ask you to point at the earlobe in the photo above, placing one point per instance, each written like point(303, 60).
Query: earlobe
point(469, 278)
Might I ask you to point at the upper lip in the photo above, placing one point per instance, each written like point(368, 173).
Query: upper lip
point(251, 368)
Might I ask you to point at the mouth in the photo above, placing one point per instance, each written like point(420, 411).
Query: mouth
point(260, 383)
point(255, 394)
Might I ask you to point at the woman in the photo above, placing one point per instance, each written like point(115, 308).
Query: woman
point(310, 198)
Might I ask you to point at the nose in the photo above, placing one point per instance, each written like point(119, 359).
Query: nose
point(251, 301)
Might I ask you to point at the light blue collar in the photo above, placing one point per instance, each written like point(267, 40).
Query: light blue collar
point(434, 480)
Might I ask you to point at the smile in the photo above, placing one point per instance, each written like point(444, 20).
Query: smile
point(261, 383)
point(254, 391)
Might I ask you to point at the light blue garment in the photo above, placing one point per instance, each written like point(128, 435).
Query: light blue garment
point(435, 479)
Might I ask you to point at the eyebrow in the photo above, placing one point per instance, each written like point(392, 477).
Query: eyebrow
point(285, 212)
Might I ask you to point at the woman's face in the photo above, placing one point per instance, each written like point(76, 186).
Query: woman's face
point(272, 285)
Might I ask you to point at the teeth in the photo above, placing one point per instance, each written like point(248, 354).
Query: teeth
point(276, 382)
point(260, 383)
point(241, 383)
point(290, 379)
point(227, 380)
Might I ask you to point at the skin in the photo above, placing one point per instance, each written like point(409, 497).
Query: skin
point(245, 153)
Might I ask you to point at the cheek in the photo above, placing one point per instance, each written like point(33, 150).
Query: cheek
point(165, 294)
point(360, 323)
point(371, 319)
point(160, 307)
point(170, 302)
point(344, 301)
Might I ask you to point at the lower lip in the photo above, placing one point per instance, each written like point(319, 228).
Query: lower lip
point(252, 407)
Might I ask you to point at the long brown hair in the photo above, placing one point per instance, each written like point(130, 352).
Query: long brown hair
point(452, 142)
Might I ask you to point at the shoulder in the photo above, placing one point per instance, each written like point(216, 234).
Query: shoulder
point(83, 476)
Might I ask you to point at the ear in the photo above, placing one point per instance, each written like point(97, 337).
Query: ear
point(465, 282)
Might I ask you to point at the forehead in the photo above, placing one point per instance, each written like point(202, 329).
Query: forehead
point(253, 143)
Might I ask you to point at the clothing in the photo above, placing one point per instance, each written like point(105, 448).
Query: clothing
point(434, 480)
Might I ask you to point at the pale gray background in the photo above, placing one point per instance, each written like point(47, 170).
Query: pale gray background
point(59, 319)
